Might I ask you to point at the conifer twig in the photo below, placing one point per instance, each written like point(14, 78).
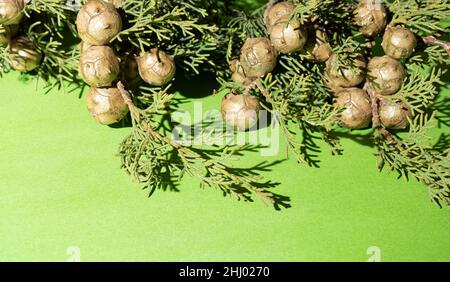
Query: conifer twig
point(135, 112)
point(208, 166)
point(375, 99)
point(433, 40)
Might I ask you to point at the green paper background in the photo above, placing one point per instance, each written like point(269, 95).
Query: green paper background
point(61, 186)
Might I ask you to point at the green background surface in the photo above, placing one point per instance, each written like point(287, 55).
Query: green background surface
point(61, 186)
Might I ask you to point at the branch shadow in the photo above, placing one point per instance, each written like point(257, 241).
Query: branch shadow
point(441, 103)
point(169, 181)
point(442, 109)
point(443, 143)
point(363, 138)
point(279, 201)
point(196, 87)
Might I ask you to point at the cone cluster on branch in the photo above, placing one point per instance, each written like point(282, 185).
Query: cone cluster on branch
point(98, 23)
point(383, 75)
point(319, 64)
point(259, 56)
point(23, 55)
point(315, 65)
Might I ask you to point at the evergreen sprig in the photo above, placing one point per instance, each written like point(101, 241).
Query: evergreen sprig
point(57, 8)
point(413, 156)
point(434, 54)
point(295, 91)
point(160, 162)
point(420, 88)
point(205, 35)
point(50, 26)
point(189, 31)
point(59, 64)
point(4, 64)
point(298, 97)
point(423, 17)
point(181, 28)
point(334, 14)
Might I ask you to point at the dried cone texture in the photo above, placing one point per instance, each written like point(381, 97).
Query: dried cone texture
point(277, 12)
point(317, 46)
point(106, 105)
point(156, 67)
point(240, 111)
point(399, 42)
point(258, 57)
point(99, 66)
point(370, 16)
point(394, 115)
point(357, 112)
point(116, 3)
point(23, 56)
point(98, 22)
point(130, 70)
point(238, 74)
point(11, 11)
point(6, 33)
point(345, 76)
point(288, 37)
point(83, 46)
point(385, 75)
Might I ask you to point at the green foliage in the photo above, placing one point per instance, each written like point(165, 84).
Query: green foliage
point(420, 88)
point(330, 14)
point(423, 17)
point(434, 54)
point(205, 35)
point(59, 65)
point(57, 8)
point(4, 65)
point(414, 157)
point(49, 25)
point(189, 31)
point(247, 26)
point(160, 162)
point(180, 28)
point(298, 97)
